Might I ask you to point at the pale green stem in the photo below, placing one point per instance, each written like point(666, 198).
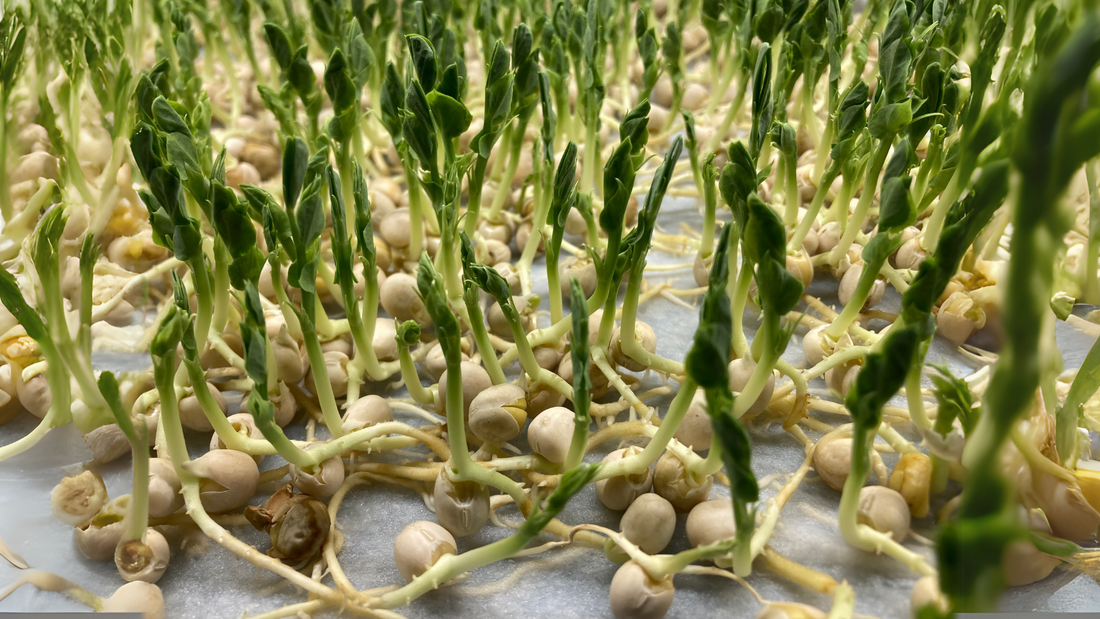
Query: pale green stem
point(637, 463)
point(913, 398)
point(870, 187)
point(867, 279)
point(824, 182)
point(484, 345)
point(322, 385)
point(628, 338)
point(419, 393)
point(740, 297)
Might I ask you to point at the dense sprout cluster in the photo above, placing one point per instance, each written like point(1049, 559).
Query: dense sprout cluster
point(327, 219)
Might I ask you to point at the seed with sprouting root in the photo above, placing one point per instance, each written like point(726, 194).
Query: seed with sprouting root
point(227, 479)
point(1066, 509)
point(336, 365)
point(288, 356)
point(547, 357)
point(619, 492)
point(143, 560)
point(643, 334)
point(636, 595)
point(322, 481)
point(10, 408)
point(35, 395)
point(926, 592)
point(497, 252)
point(244, 425)
point(419, 545)
point(164, 488)
point(694, 430)
point(582, 269)
point(800, 266)
point(136, 597)
point(710, 521)
point(850, 282)
point(298, 525)
point(1024, 563)
point(498, 413)
point(436, 362)
point(814, 345)
point(499, 325)
point(884, 510)
point(98, 539)
point(551, 433)
point(740, 371)
point(474, 380)
point(649, 523)
point(541, 398)
point(191, 414)
point(598, 382)
point(400, 299)
point(673, 481)
point(286, 407)
point(366, 412)
point(832, 457)
point(461, 507)
point(959, 317)
point(497, 231)
point(77, 499)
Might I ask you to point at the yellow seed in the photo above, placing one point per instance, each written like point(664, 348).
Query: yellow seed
point(1089, 480)
point(911, 478)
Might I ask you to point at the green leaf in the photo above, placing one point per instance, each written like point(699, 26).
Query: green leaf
point(310, 216)
point(572, 482)
point(882, 374)
point(392, 102)
point(295, 158)
point(341, 245)
point(231, 221)
point(408, 334)
point(578, 343)
point(340, 88)
point(618, 182)
point(451, 116)
point(279, 44)
point(1086, 382)
point(168, 120)
point(689, 128)
point(300, 74)
point(417, 128)
point(27, 316)
point(254, 339)
point(169, 333)
point(953, 401)
point(364, 231)
point(635, 126)
point(492, 282)
point(422, 57)
point(761, 100)
point(889, 120)
point(707, 359)
point(736, 446)
point(549, 122)
point(895, 55)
